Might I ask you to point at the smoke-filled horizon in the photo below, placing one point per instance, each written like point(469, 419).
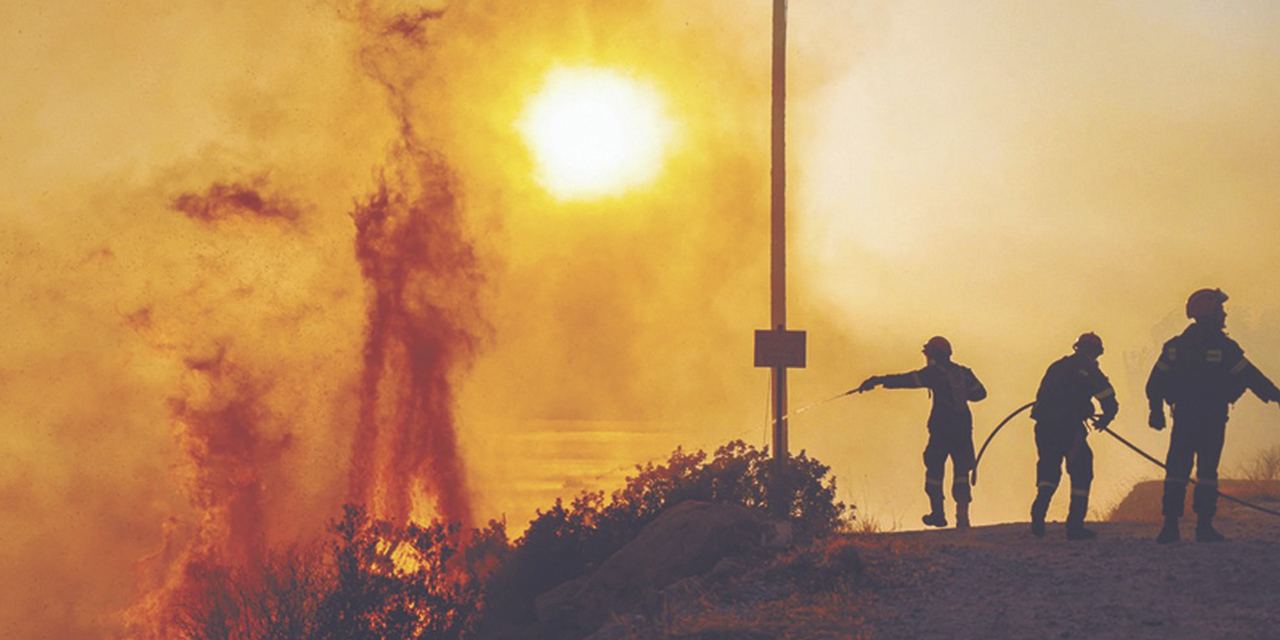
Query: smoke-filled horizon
point(194, 364)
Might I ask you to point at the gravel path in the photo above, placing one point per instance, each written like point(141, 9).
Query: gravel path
point(998, 582)
point(1001, 582)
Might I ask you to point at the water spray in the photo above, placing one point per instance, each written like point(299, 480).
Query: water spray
point(822, 402)
point(746, 431)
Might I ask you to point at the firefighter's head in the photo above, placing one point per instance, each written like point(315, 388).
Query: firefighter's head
point(1089, 344)
point(937, 349)
point(1205, 307)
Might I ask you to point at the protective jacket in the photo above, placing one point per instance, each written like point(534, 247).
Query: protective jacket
point(1202, 371)
point(1068, 390)
point(953, 386)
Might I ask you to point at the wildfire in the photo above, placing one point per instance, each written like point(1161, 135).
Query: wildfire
point(423, 276)
point(298, 286)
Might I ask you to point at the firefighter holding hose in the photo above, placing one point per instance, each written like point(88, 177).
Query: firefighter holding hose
point(1199, 374)
point(953, 386)
point(1064, 404)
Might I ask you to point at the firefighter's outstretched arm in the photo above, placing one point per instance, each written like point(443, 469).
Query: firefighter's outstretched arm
point(1256, 381)
point(892, 381)
point(909, 380)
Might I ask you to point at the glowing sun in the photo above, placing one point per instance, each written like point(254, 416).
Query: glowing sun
point(594, 133)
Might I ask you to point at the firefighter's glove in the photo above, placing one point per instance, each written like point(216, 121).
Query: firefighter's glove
point(1156, 421)
point(869, 384)
point(1270, 395)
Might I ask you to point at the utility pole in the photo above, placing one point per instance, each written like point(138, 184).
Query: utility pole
point(778, 348)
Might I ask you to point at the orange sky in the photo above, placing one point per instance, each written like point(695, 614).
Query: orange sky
point(1005, 175)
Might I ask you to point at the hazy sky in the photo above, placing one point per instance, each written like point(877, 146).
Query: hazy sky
point(1011, 176)
point(1006, 174)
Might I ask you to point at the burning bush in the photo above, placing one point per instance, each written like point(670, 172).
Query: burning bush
point(381, 580)
point(376, 580)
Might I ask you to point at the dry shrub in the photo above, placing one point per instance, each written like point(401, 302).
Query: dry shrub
point(281, 599)
point(1264, 466)
point(825, 564)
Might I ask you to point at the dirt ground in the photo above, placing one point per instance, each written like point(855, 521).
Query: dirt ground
point(999, 582)
point(1002, 582)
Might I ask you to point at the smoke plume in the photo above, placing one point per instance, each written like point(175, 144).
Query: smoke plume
point(423, 277)
point(421, 280)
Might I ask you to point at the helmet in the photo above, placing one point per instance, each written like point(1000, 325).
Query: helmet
point(938, 345)
point(1205, 303)
point(1089, 343)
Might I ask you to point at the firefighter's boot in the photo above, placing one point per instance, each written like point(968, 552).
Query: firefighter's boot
point(1039, 509)
point(1169, 532)
point(962, 515)
point(1075, 516)
point(1205, 531)
point(1037, 525)
point(1077, 531)
point(936, 517)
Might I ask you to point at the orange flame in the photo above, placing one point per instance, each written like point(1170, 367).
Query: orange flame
point(423, 275)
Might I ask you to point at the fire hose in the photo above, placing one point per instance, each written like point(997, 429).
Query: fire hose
point(974, 474)
point(1225, 496)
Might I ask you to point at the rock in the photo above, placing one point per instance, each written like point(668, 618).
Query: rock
point(686, 540)
point(778, 534)
point(1144, 501)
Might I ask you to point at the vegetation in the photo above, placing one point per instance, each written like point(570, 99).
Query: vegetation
point(1264, 466)
point(281, 599)
point(564, 542)
point(377, 579)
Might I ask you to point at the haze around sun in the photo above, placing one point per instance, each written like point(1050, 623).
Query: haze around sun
point(595, 132)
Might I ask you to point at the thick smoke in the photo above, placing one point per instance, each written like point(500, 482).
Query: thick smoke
point(220, 425)
point(421, 278)
point(222, 201)
point(190, 316)
point(234, 434)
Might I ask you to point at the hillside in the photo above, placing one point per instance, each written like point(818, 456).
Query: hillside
point(993, 582)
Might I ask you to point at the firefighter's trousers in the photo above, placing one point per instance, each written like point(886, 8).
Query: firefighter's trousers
point(1058, 441)
point(1197, 440)
point(956, 444)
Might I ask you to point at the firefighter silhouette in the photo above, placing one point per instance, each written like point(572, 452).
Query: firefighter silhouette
point(1200, 373)
point(953, 387)
point(1064, 404)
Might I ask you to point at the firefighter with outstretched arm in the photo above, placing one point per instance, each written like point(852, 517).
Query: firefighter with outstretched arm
point(953, 386)
point(1064, 404)
point(1199, 374)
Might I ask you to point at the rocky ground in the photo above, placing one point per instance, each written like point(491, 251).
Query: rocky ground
point(993, 582)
